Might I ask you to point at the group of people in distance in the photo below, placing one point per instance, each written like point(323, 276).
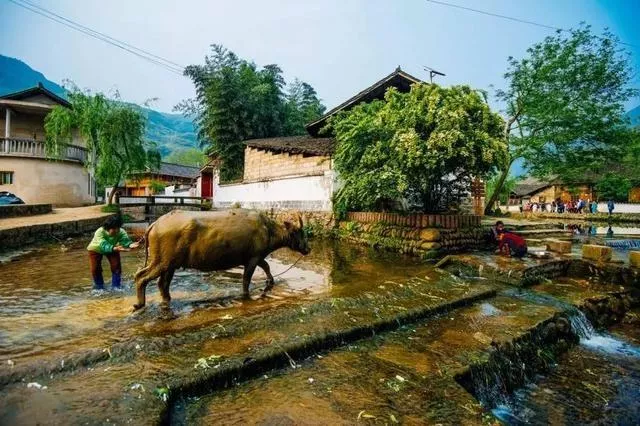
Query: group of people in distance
point(509, 243)
point(559, 206)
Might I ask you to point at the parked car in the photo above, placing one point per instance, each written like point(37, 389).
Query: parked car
point(9, 198)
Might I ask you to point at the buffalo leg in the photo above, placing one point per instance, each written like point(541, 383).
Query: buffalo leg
point(142, 280)
point(267, 270)
point(249, 269)
point(163, 285)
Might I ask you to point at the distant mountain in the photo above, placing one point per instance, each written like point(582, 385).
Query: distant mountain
point(634, 116)
point(15, 75)
point(170, 131)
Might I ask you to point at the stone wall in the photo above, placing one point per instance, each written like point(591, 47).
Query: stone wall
point(318, 223)
point(24, 235)
point(424, 242)
point(14, 210)
point(417, 220)
point(261, 165)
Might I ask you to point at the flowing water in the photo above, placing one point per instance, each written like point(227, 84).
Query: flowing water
point(47, 306)
point(597, 382)
point(48, 311)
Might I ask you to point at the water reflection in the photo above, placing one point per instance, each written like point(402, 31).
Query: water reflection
point(47, 305)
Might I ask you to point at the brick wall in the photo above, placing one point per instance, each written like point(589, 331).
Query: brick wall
point(261, 165)
point(418, 220)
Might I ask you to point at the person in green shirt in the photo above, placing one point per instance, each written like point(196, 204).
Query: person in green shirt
point(109, 240)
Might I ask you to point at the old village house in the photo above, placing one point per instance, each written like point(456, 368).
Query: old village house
point(293, 172)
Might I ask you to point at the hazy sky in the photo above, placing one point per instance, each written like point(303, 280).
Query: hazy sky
point(339, 47)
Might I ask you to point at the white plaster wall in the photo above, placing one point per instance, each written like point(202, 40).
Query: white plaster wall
point(310, 193)
point(37, 180)
point(620, 208)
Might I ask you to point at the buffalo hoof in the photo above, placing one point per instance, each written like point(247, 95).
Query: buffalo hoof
point(137, 307)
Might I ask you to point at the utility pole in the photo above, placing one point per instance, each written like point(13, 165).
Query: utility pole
point(433, 72)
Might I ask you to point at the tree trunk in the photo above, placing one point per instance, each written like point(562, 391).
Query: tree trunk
point(111, 194)
point(488, 208)
point(113, 191)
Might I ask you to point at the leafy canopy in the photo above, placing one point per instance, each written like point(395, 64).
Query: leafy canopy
point(112, 130)
point(507, 188)
point(235, 101)
point(565, 105)
point(424, 147)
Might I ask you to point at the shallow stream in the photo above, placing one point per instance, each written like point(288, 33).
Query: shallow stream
point(404, 375)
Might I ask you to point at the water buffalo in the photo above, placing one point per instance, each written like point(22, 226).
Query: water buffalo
point(214, 241)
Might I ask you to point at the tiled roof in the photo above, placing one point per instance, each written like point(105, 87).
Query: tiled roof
point(295, 145)
point(529, 186)
point(169, 169)
point(33, 91)
point(398, 79)
point(174, 170)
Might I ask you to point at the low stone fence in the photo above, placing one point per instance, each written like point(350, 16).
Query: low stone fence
point(14, 210)
point(427, 236)
point(318, 223)
point(24, 235)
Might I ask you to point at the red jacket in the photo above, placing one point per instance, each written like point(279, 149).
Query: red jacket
point(514, 241)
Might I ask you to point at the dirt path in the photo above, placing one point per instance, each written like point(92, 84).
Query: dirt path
point(56, 216)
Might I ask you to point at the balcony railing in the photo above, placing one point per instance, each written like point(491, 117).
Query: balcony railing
point(32, 148)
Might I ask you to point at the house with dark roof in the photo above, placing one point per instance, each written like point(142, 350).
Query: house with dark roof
point(537, 191)
point(25, 168)
point(149, 182)
point(293, 172)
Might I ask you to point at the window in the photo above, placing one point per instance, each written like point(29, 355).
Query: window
point(6, 178)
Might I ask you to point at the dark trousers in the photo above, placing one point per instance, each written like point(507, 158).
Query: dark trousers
point(95, 265)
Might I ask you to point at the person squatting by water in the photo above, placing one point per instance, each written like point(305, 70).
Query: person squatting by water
point(109, 240)
point(508, 242)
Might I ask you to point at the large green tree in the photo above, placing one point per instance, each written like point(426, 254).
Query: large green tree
point(616, 178)
point(565, 105)
point(113, 132)
point(236, 100)
point(425, 147)
point(302, 106)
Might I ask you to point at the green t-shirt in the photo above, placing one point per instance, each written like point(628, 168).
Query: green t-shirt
point(104, 243)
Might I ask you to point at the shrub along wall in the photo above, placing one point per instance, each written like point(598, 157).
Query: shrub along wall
point(423, 235)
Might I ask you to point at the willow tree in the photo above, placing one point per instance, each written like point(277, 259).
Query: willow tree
point(113, 132)
point(565, 105)
point(424, 147)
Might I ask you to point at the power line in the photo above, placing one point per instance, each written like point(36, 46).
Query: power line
point(143, 54)
point(510, 18)
point(102, 34)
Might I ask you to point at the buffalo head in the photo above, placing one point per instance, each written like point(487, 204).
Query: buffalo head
point(298, 240)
